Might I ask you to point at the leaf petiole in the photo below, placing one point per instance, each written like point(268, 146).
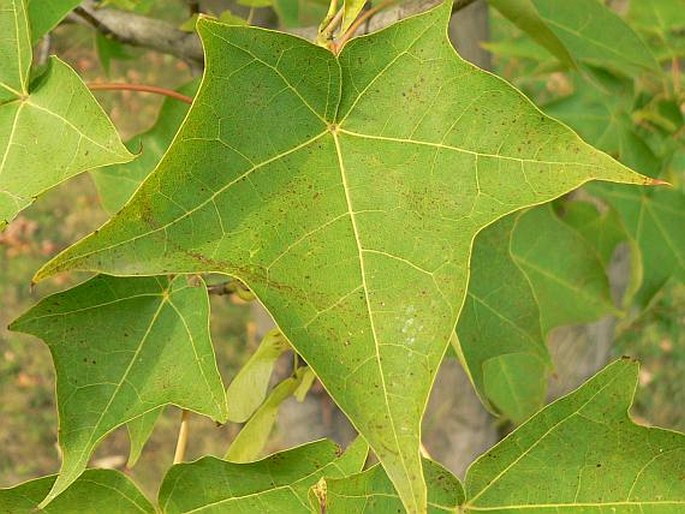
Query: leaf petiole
point(182, 442)
point(141, 88)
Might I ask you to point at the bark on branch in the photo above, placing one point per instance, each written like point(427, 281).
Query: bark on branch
point(145, 32)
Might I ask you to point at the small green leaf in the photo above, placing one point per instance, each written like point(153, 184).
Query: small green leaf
point(97, 490)
point(248, 389)
point(566, 273)
point(374, 180)
point(46, 14)
point(251, 440)
point(583, 454)
point(281, 480)
point(139, 431)
point(53, 134)
point(229, 18)
point(500, 338)
point(655, 219)
point(116, 184)
point(372, 492)
point(123, 348)
point(516, 383)
point(351, 9)
point(602, 230)
point(605, 231)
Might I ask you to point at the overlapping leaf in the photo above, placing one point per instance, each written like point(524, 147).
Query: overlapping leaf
point(279, 483)
point(605, 231)
point(653, 218)
point(583, 454)
point(51, 129)
point(345, 191)
point(97, 490)
point(139, 432)
point(123, 348)
point(499, 334)
point(530, 274)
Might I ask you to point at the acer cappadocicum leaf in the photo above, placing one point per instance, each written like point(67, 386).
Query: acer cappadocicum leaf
point(346, 191)
point(122, 348)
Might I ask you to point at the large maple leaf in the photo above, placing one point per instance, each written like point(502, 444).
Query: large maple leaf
point(346, 191)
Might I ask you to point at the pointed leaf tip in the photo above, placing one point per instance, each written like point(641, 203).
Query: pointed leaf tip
point(659, 182)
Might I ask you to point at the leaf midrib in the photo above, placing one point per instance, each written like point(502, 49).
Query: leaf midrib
point(360, 251)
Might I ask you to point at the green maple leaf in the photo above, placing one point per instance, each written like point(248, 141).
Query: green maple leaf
point(583, 454)
point(122, 348)
point(346, 192)
point(50, 129)
point(655, 219)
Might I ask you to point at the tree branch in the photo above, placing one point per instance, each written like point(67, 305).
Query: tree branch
point(142, 31)
point(136, 30)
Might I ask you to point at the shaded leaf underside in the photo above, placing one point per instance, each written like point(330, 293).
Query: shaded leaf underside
point(346, 192)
